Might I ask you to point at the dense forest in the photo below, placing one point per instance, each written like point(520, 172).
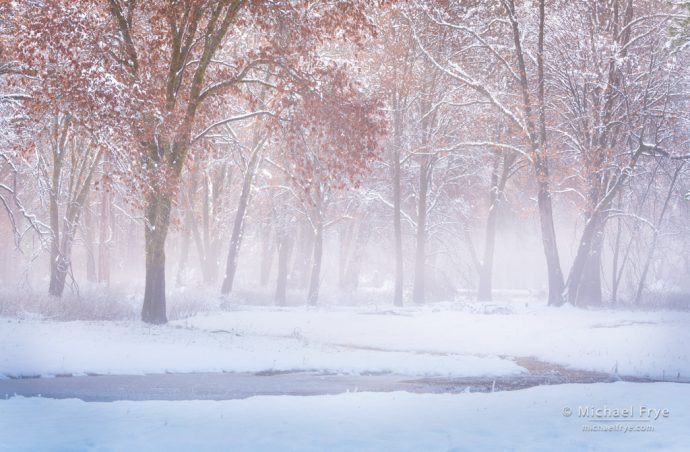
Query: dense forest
point(302, 151)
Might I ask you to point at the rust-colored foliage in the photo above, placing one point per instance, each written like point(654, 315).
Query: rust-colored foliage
point(146, 76)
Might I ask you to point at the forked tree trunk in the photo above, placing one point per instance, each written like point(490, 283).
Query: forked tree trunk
point(655, 236)
point(61, 250)
point(536, 133)
point(238, 225)
point(594, 226)
point(155, 232)
point(585, 247)
point(63, 237)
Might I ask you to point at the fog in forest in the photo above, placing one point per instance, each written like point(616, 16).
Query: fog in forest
point(344, 225)
point(417, 153)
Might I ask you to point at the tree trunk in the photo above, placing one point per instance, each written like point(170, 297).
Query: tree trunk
point(266, 253)
point(104, 231)
point(62, 241)
point(498, 183)
point(236, 238)
point(346, 233)
point(486, 270)
point(589, 291)
point(58, 273)
point(584, 250)
point(199, 242)
point(157, 219)
point(57, 263)
point(538, 142)
point(420, 255)
point(284, 250)
point(655, 236)
point(303, 261)
point(315, 278)
point(91, 275)
point(211, 261)
point(61, 256)
point(616, 255)
point(355, 262)
point(397, 220)
point(184, 249)
point(548, 234)
point(397, 233)
point(595, 225)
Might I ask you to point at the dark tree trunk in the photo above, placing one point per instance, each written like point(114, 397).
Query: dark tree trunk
point(155, 231)
point(154, 309)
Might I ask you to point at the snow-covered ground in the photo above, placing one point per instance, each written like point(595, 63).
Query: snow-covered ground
point(453, 339)
point(531, 419)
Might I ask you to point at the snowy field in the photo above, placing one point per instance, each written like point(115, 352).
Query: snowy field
point(449, 340)
point(530, 419)
point(453, 339)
